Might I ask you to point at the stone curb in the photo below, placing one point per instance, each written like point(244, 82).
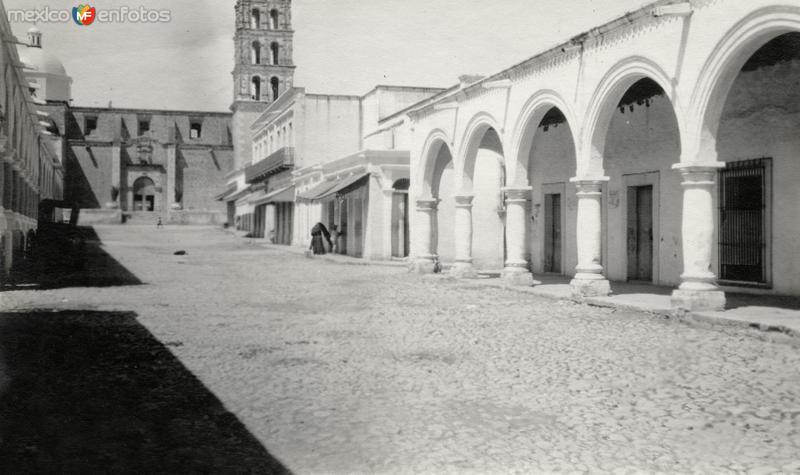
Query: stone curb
point(766, 331)
point(335, 258)
point(708, 318)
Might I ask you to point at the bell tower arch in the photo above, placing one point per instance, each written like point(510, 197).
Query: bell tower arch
point(264, 50)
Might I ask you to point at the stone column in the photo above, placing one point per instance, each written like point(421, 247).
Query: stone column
point(516, 270)
point(171, 168)
point(116, 172)
point(424, 257)
point(698, 290)
point(388, 224)
point(129, 204)
point(463, 268)
point(589, 280)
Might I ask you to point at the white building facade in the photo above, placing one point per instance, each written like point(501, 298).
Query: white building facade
point(657, 148)
point(30, 168)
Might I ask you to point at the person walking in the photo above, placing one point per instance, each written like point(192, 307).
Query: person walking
point(317, 233)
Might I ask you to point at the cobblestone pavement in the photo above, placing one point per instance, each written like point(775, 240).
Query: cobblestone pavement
point(337, 368)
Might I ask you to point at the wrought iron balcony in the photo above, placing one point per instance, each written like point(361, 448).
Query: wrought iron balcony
point(278, 161)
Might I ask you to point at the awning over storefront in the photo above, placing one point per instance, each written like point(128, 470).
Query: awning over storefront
point(239, 194)
point(229, 191)
point(343, 185)
point(283, 195)
point(318, 190)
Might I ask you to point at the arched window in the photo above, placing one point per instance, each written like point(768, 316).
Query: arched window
point(255, 19)
point(275, 88)
point(255, 50)
point(255, 89)
point(274, 49)
point(273, 19)
point(403, 184)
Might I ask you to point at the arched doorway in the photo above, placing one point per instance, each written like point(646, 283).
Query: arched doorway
point(443, 190)
point(752, 124)
point(144, 194)
point(484, 178)
point(548, 155)
point(642, 219)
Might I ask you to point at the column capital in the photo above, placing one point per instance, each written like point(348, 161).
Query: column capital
point(698, 174)
point(464, 201)
point(427, 204)
point(589, 186)
point(589, 180)
point(517, 193)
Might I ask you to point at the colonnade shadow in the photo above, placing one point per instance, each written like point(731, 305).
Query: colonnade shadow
point(49, 270)
point(95, 392)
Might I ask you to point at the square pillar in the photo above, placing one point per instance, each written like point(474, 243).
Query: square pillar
point(171, 167)
point(116, 173)
point(463, 268)
point(424, 259)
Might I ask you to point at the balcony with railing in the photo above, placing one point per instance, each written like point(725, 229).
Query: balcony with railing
point(278, 161)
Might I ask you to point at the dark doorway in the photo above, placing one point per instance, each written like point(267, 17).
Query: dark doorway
point(343, 228)
point(144, 194)
point(640, 233)
point(552, 232)
point(742, 244)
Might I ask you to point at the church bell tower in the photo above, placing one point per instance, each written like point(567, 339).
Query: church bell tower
point(264, 68)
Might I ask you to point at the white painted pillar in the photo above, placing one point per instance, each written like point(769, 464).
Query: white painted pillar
point(116, 172)
point(171, 170)
point(589, 280)
point(386, 231)
point(698, 289)
point(516, 270)
point(462, 268)
point(424, 256)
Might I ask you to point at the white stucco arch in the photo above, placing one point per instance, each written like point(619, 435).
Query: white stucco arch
point(721, 69)
point(603, 103)
point(468, 149)
point(524, 130)
point(437, 139)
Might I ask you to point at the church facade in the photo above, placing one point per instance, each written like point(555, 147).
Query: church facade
point(125, 164)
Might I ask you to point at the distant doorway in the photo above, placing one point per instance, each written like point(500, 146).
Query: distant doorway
point(640, 233)
point(144, 194)
point(552, 232)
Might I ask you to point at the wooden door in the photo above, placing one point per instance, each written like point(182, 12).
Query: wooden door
point(640, 233)
point(552, 232)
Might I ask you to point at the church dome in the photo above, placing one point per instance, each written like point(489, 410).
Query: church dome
point(41, 61)
point(44, 70)
point(36, 58)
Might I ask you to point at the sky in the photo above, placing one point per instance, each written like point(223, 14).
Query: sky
point(340, 46)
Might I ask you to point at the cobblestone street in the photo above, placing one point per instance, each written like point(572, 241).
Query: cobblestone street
point(343, 368)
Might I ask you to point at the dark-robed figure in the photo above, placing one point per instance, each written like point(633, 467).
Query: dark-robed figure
point(317, 233)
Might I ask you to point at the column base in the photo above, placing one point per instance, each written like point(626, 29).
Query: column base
point(463, 270)
point(698, 300)
point(518, 277)
point(423, 265)
point(583, 287)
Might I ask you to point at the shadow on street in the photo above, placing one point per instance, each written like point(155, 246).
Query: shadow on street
point(97, 268)
point(96, 392)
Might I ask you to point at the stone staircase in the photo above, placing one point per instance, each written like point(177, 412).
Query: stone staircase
point(143, 217)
